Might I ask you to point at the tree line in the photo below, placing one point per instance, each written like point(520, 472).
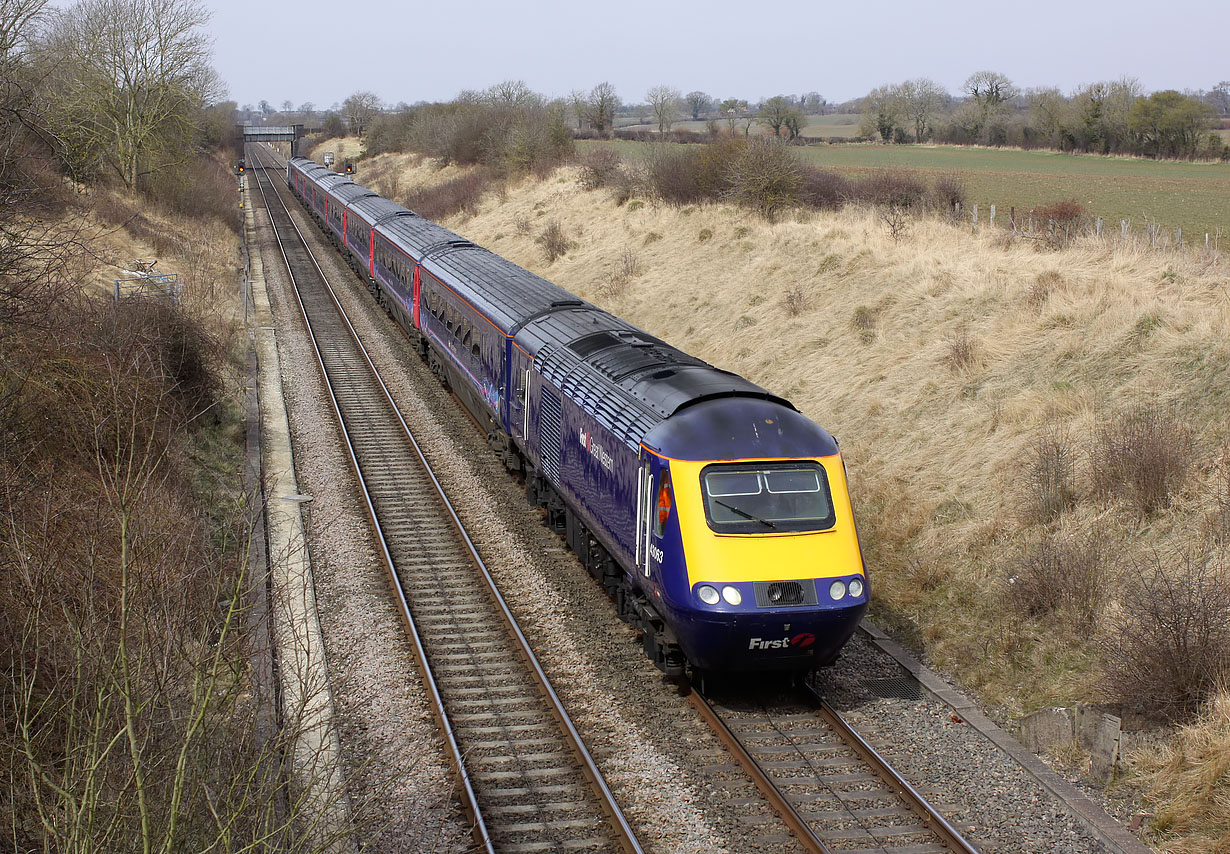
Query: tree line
point(1109, 117)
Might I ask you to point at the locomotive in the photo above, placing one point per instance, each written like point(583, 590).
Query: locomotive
point(715, 514)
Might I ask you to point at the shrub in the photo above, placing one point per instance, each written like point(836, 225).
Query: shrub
point(896, 220)
point(948, 194)
point(1145, 457)
point(1063, 577)
point(1168, 648)
point(962, 351)
point(600, 167)
point(796, 301)
point(1060, 221)
point(555, 243)
point(767, 178)
point(672, 173)
point(1047, 481)
point(705, 234)
point(460, 194)
point(523, 225)
point(202, 187)
point(717, 164)
point(890, 187)
point(823, 190)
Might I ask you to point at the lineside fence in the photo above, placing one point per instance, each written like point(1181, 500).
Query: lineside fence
point(1061, 230)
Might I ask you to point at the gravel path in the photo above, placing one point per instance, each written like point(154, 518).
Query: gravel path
point(991, 800)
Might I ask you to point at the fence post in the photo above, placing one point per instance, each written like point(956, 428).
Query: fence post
point(1178, 236)
point(1012, 216)
point(1100, 223)
point(975, 212)
point(1206, 241)
point(1123, 227)
point(992, 216)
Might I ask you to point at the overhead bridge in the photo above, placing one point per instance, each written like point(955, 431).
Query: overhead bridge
point(290, 134)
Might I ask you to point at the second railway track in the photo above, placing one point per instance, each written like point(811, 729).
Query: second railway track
point(526, 779)
point(831, 787)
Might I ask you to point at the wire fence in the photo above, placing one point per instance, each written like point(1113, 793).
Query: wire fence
point(1062, 230)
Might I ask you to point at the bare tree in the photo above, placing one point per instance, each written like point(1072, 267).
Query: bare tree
point(360, 109)
point(813, 103)
point(578, 103)
point(16, 16)
point(126, 78)
point(920, 101)
point(777, 113)
point(989, 93)
point(664, 101)
point(602, 104)
point(881, 112)
point(287, 105)
point(513, 93)
point(698, 102)
point(732, 109)
point(1219, 97)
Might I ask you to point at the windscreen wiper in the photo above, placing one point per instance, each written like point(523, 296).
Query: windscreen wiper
point(745, 514)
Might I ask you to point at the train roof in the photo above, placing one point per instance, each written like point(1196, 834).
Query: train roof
point(630, 380)
point(739, 428)
point(507, 294)
point(348, 191)
point(417, 236)
point(373, 209)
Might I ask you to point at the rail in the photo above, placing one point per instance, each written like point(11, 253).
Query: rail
point(621, 830)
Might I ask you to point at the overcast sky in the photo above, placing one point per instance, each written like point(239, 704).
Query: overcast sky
point(411, 51)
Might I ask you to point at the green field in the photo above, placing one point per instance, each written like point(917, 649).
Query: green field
point(844, 125)
point(1195, 196)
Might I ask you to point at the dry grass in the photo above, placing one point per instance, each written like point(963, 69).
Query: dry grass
point(1188, 784)
point(1065, 341)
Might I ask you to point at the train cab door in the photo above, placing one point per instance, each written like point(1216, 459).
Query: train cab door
point(644, 515)
point(516, 378)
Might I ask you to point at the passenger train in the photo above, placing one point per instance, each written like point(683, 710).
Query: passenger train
point(714, 513)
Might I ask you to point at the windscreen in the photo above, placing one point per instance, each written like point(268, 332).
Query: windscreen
point(767, 498)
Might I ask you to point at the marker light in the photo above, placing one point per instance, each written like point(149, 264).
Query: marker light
point(664, 502)
point(707, 594)
point(837, 590)
point(856, 587)
point(732, 595)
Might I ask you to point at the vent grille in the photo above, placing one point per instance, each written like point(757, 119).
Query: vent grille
point(783, 594)
point(549, 435)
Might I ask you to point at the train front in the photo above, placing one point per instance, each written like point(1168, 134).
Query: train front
point(760, 565)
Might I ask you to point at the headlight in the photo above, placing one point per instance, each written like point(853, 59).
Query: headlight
point(707, 594)
point(856, 587)
point(837, 590)
point(732, 595)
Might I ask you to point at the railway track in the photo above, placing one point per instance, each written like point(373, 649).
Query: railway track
point(831, 788)
point(525, 778)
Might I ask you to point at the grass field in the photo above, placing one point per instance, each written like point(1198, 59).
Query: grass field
point(844, 125)
point(1195, 196)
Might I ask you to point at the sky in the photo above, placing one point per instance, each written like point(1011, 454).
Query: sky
point(410, 51)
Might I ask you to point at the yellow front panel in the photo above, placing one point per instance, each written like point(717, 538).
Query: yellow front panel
point(721, 558)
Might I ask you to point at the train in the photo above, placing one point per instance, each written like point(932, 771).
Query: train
point(715, 514)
